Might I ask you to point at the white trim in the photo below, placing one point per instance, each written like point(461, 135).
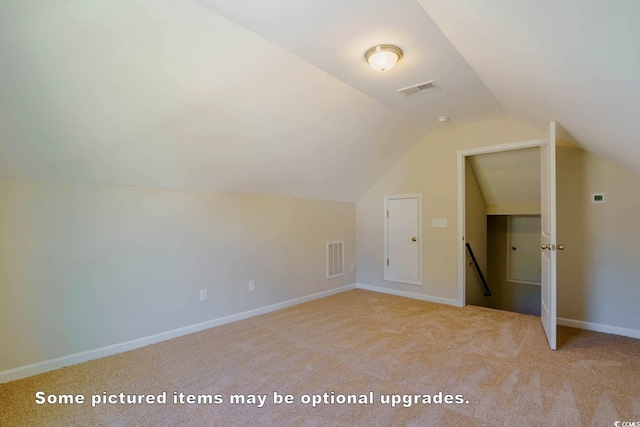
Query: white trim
point(73, 359)
point(501, 147)
point(578, 324)
point(413, 295)
point(462, 154)
point(599, 327)
point(387, 277)
point(462, 298)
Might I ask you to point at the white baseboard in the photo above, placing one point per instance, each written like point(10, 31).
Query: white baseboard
point(413, 295)
point(73, 359)
point(599, 327)
point(590, 326)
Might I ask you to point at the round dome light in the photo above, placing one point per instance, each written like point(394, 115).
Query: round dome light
point(383, 57)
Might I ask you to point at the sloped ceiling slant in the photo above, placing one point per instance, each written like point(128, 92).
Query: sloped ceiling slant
point(333, 35)
point(165, 93)
point(577, 62)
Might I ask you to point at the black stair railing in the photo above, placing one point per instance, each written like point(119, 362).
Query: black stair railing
point(487, 291)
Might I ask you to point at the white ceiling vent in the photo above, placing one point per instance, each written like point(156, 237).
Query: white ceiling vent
point(419, 88)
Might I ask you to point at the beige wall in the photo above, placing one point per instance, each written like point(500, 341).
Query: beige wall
point(429, 168)
point(86, 266)
point(510, 296)
point(476, 236)
point(599, 271)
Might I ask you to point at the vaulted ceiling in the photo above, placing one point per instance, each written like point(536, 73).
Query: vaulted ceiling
point(576, 62)
point(274, 96)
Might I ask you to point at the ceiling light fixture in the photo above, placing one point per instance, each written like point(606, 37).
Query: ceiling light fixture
point(383, 57)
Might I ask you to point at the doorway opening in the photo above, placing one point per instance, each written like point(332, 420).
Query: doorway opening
point(548, 231)
point(500, 196)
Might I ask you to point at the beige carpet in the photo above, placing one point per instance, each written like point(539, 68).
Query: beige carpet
point(355, 343)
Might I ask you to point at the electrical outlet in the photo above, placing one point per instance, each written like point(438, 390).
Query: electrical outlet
point(203, 294)
point(439, 222)
point(252, 285)
point(353, 267)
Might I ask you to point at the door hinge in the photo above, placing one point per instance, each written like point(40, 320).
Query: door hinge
point(387, 213)
point(387, 262)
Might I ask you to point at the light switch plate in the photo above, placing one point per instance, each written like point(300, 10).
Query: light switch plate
point(439, 222)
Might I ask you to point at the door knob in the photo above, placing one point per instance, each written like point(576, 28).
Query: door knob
point(413, 239)
point(513, 248)
point(543, 246)
point(560, 247)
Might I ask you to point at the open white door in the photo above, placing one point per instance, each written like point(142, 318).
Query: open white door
point(548, 233)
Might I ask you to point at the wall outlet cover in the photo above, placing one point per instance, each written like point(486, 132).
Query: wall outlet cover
point(439, 222)
point(203, 294)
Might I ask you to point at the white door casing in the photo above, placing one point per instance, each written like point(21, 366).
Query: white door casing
point(548, 220)
point(462, 155)
point(403, 238)
point(548, 234)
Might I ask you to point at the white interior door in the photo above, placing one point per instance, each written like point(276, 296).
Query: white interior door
point(403, 239)
point(548, 234)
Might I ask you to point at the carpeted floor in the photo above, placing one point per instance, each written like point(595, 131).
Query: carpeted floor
point(355, 342)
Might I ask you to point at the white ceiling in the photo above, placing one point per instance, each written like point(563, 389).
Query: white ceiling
point(333, 35)
point(274, 96)
point(166, 93)
point(573, 61)
point(509, 177)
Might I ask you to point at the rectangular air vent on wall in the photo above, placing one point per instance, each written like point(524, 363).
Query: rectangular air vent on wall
point(335, 258)
point(419, 88)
